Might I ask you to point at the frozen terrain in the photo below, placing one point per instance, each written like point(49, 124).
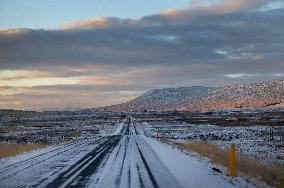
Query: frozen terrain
point(123, 159)
point(251, 140)
point(255, 95)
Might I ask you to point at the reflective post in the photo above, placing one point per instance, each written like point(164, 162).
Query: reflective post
point(233, 162)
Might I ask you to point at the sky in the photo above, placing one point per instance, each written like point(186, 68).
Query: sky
point(84, 54)
point(49, 13)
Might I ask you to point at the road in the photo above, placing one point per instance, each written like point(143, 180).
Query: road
point(123, 160)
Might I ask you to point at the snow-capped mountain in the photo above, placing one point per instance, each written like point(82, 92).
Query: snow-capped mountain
point(204, 98)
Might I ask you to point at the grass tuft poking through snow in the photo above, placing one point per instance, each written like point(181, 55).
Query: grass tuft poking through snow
point(7, 150)
point(272, 175)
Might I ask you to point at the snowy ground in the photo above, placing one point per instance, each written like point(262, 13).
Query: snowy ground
point(249, 140)
point(126, 159)
point(56, 128)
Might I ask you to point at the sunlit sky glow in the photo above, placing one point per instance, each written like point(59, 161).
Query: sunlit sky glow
point(93, 53)
point(50, 13)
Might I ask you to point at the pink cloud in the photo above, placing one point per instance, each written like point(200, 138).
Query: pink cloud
point(92, 22)
point(222, 7)
point(15, 31)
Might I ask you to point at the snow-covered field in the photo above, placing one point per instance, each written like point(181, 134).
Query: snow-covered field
point(121, 150)
point(250, 140)
point(55, 129)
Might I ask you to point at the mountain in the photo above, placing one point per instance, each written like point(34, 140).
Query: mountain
point(262, 94)
point(204, 98)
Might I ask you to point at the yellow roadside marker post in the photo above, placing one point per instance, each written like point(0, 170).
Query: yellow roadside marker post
point(233, 162)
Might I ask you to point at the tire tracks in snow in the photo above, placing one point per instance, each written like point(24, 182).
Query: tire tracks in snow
point(14, 165)
point(19, 168)
point(85, 167)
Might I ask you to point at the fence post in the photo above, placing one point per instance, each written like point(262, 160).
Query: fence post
point(233, 162)
point(270, 134)
point(158, 133)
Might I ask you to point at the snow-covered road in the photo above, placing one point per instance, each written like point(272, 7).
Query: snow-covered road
point(126, 159)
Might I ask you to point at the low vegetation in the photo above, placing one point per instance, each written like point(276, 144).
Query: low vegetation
point(7, 150)
point(272, 175)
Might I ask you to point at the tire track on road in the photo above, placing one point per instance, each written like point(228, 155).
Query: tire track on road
point(86, 166)
point(14, 165)
point(154, 182)
point(18, 170)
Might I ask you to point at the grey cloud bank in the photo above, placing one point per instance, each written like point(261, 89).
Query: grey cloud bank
point(180, 47)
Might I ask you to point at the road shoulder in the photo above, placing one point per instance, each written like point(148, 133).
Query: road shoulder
point(191, 171)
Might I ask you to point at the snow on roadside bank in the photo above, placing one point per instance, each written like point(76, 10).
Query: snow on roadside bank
point(119, 128)
point(191, 171)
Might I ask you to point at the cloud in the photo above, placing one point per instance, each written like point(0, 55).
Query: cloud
point(40, 81)
point(55, 96)
point(118, 59)
point(24, 78)
point(15, 31)
point(93, 22)
point(23, 74)
point(239, 75)
point(146, 40)
point(218, 8)
point(278, 74)
point(230, 6)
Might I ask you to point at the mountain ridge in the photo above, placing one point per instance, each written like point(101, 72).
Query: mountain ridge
point(261, 94)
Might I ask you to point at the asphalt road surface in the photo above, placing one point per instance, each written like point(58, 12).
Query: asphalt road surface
point(122, 160)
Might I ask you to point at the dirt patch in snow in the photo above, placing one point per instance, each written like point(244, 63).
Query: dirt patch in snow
point(7, 150)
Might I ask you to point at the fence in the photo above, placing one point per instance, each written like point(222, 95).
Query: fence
point(276, 133)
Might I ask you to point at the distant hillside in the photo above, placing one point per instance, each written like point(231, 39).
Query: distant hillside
point(203, 98)
point(11, 112)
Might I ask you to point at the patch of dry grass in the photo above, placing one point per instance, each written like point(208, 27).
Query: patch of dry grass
point(272, 175)
point(7, 150)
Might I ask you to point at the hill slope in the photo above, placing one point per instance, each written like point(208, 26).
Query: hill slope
point(203, 98)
